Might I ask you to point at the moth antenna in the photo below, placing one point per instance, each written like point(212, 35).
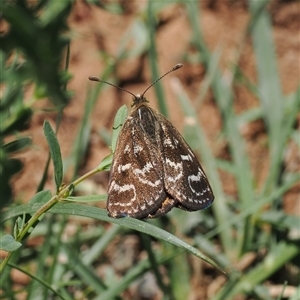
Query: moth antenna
point(176, 67)
point(92, 78)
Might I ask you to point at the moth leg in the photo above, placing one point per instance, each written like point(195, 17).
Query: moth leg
point(183, 207)
point(166, 206)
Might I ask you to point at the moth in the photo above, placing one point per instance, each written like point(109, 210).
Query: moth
point(153, 168)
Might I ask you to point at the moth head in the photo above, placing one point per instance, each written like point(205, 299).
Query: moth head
point(138, 99)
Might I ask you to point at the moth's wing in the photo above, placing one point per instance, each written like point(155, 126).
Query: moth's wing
point(184, 178)
point(135, 186)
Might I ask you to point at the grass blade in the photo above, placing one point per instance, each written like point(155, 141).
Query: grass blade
point(101, 214)
point(55, 153)
point(153, 60)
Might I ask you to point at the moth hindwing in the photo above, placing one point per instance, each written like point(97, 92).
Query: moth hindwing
point(153, 168)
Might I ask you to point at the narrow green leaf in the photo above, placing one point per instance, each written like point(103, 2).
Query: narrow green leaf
point(84, 131)
point(101, 214)
point(269, 83)
point(87, 274)
point(269, 90)
point(197, 141)
point(281, 220)
point(180, 274)
point(146, 241)
point(134, 273)
point(89, 198)
point(8, 167)
point(105, 163)
point(273, 261)
point(82, 138)
point(16, 121)
point(38, 279)
point(9, 244)
point(17, 145)
point(97, 249)
point(135, 40)
point(296, 295)
point(118, 124)
point(255, 208)
point(41, 197)
point(55, 153)
point(152, 55)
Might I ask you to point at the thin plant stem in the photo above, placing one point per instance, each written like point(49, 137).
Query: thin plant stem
point(62, 194)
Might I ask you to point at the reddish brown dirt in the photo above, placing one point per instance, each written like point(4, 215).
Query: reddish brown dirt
point(223, 24)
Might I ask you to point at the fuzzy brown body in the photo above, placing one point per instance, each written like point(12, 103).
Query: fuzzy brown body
point(154, 169)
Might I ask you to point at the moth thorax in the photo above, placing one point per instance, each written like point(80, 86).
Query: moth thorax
point(148, 122)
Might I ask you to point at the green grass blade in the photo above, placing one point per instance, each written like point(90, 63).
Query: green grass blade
point(82, 139)
point(8, 243)
point(205, 245)
point(154, 265)
point(153, 60)
point(34, 289)
point(89, 198)
point(134, 273)
point(275, 259)
point(296, 295)
point(55, 153)
point(119, 120)
point(39, 280)
point(180, 275)
point(269, 86)
point(256, 207)
point(100, 245)
point(101, 214)
point(224, 97)
point(269, 89)
point(85, 273)
point(56, 242)
point(219, 206)
point(17, 145)
point(291, 111)
point(41, 197)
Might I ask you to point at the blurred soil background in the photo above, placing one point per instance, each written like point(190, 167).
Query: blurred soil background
point(96, 36)
point(94, 30)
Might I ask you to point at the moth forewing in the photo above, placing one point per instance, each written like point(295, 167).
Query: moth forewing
point(184, 178)
point(135, 187)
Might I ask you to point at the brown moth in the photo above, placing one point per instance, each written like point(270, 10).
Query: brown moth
point(153, 168)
